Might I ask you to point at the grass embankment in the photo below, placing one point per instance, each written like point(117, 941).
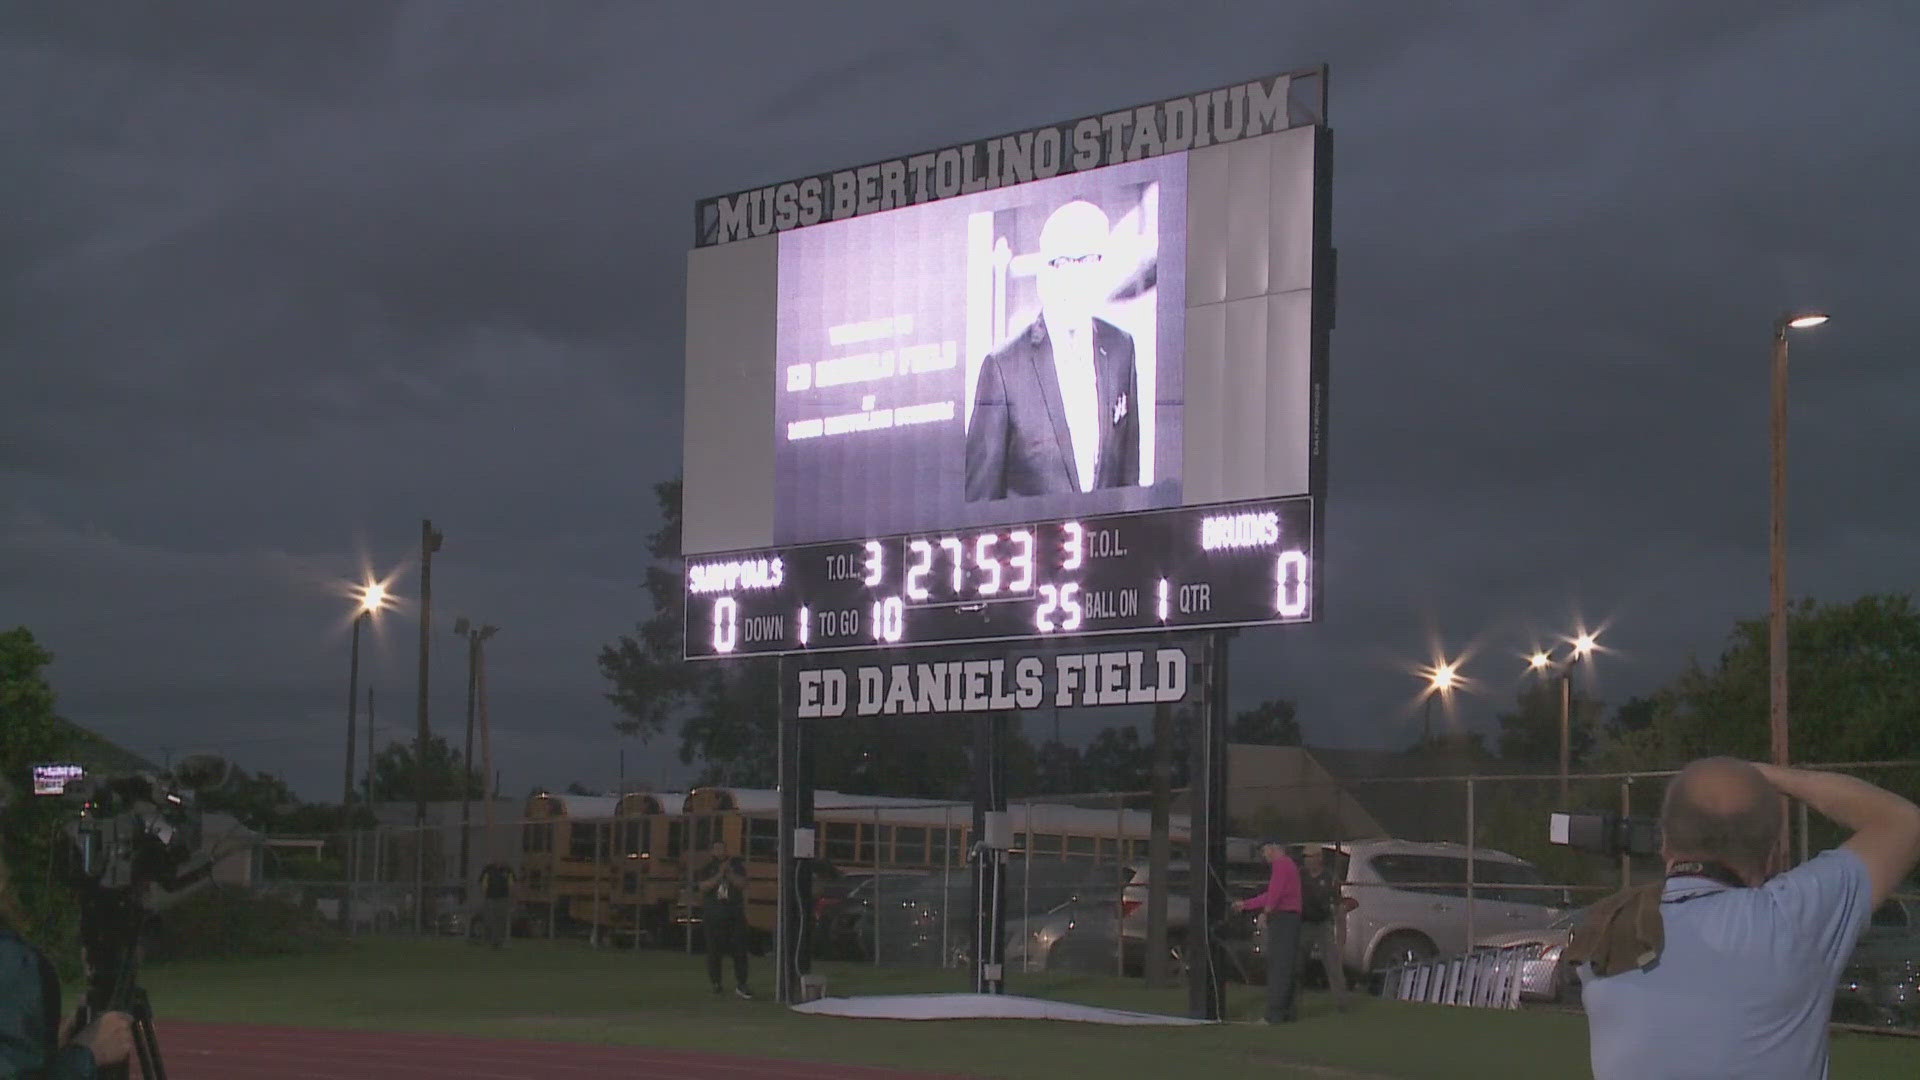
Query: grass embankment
point(566, 991)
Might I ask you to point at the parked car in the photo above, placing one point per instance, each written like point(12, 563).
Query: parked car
point(1406, 901)
point(1542, 977)
point(1241, 877)
point(1880, 984)
point(929, 920)
point(1238, 934)
point(1079, 936)
point(840, 906)
point(920, 921)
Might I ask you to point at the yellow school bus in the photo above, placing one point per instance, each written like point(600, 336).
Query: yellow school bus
point(648, 867)
point(858, 833)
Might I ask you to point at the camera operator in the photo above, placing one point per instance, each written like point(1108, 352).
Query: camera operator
point(34, 1043)
point(1728, 966)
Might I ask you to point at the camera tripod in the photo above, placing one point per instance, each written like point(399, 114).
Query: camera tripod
point(111, 921)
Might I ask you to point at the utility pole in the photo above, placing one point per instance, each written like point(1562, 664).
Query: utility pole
point(465, 629)
point(1566, 726)
point(429, 543)
point(370, 750)
point(476, 637)
point(486, 739)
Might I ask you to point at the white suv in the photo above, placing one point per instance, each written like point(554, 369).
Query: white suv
point(1407, 901)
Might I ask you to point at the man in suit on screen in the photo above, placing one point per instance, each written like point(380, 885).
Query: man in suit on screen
point(1056, 409)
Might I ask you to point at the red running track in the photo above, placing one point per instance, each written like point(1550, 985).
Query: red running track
point(196, 1051)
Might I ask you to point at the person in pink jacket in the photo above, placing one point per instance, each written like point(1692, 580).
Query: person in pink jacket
point(1281, 905)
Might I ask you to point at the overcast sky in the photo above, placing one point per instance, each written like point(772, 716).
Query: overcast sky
point(277, 280)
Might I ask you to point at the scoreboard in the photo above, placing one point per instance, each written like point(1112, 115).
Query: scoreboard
point(1222, 565)
point(1058, 382)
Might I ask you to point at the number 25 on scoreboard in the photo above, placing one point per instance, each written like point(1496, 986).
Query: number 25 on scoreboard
point(1064, 599)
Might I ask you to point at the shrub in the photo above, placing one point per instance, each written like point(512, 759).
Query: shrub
point(229, 921)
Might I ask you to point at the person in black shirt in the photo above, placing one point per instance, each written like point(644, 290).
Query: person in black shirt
point(722, 883)
point(1322, 918)
point(496, 880)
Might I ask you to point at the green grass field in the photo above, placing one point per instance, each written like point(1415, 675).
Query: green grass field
point(564, 990)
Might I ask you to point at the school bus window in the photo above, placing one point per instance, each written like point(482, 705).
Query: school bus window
point(910, 844)
point(1080, 845)
point(676, 838)
point(840, 841)
point(869, 853)
point(763, 838)
point(1046, 844)
point(705, 831)
point(580, 841)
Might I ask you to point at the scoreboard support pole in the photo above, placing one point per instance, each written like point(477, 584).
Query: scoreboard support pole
point(1207, 843)
point(991, 836)
point(793, 936)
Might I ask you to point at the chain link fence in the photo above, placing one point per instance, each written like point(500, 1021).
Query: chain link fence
point(1430, 867)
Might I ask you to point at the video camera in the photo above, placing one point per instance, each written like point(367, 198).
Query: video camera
point(134, 848)
point(1604, 834)
point(138, 833)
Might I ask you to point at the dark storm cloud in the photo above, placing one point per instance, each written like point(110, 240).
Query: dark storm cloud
point(272, 289)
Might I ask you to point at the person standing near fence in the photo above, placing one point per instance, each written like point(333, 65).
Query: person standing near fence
point(1728, 966)
point(1281, 904)
point(723, 916)
point(1322, 920)
point(496, 892)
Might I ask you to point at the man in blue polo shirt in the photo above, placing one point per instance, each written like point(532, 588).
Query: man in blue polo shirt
point(1728, 969)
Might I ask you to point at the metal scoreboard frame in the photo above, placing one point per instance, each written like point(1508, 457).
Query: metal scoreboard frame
point(1208, 565)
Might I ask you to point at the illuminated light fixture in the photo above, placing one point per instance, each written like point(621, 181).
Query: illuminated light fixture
point(1583, 645)
point(373, 596)
point(1539, 661)
point(1806, 320)
point(1444, 677)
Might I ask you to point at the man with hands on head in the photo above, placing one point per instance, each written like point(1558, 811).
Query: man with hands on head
point(1728, 966)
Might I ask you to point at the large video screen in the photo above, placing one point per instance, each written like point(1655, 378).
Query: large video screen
point(914, 386)
point(1009, 355)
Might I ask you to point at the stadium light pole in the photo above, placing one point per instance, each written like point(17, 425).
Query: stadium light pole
point(1777, 534)
point(1577, 649)
point(372, 595)
point(1441, 679)
point(1777, 544)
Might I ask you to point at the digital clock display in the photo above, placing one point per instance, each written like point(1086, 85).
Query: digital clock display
point(1232, 564)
